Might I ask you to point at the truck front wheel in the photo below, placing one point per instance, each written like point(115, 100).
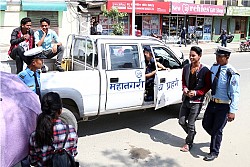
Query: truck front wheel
point(68, 118)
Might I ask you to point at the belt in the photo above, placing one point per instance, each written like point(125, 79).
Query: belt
point(220, 101)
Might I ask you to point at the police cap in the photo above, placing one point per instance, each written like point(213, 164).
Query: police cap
point(34, 53)
point(223, 51)
point(33, 57)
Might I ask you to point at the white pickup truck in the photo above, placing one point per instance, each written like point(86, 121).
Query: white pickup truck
point(106, 74)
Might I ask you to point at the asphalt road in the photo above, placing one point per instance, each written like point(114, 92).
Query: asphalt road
point(153, 138)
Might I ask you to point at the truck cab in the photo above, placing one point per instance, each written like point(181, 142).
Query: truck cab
point(106, 74)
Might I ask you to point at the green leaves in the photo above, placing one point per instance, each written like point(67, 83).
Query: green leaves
point(115, 15)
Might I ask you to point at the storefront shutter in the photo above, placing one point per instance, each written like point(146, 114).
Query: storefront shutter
point(35, 17)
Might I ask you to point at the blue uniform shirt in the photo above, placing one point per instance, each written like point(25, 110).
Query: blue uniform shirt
point(227, 91)
point(27, 76)
point(47, 43)
point(150, 66)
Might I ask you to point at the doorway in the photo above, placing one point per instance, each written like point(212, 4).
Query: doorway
point(138, 22)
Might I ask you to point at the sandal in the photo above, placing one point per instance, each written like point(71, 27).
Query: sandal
point(185, 148)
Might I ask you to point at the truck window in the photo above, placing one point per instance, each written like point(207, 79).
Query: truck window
point(83, 51)
point(166, 58)
point(124, 56)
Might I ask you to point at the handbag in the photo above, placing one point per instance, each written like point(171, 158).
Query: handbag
point(61, 158)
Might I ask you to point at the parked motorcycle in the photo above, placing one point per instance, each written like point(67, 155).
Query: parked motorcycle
point(192, 38)
point(245, 46)
point(230, 38)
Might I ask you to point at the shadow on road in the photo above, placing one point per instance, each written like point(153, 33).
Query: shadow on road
point(137, 120)
point(141, 122)
point(118, 157)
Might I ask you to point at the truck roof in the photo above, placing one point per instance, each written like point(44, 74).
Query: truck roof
point(108, 37)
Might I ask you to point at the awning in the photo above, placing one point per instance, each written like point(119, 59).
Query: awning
point(36, 5)
point(3, 5)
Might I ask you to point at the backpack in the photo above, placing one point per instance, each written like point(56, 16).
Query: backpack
point(61, 158)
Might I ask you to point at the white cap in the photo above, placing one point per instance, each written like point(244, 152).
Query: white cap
point(223, 51)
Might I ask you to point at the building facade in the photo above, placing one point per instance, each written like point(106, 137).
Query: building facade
point(206, 18)
point(66, 17)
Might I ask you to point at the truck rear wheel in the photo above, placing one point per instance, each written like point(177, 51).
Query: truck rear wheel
point(68, 118)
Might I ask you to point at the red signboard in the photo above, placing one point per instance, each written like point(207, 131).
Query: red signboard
point(197, 9)
point(152, 7)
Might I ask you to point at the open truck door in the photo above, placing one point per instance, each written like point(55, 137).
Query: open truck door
point(168, 84)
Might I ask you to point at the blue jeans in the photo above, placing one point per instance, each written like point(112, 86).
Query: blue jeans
point(215, 119)
point(187, 117)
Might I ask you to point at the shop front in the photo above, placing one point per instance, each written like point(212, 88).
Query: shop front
point(238, 22)
point(147, 17)
point(196, 18)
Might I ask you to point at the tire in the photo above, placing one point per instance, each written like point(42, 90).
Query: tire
point(68, 118)
point(241, 48)
point(204, 105)
point(245, 48)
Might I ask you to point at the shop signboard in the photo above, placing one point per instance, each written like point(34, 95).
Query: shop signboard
point(238, 11)
point(197, 9)
point(152, 7)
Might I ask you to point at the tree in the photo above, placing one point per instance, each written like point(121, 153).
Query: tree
point(115, 15)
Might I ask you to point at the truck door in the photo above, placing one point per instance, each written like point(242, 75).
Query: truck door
point(168, 88)
point(125, 76)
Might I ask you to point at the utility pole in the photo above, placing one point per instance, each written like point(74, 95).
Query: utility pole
point(133, 17)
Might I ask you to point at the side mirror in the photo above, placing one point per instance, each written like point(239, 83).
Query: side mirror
point(185, 62)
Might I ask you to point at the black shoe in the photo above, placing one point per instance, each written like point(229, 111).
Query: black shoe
point(59, 68)
point(210, 157)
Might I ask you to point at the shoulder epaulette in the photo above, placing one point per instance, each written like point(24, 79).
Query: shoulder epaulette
point(22, 76)
point(231, 72)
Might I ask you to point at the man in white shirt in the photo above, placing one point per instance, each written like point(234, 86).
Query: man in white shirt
point(98, 28)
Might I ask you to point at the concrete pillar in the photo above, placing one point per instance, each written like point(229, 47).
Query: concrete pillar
point(197, 1)
point(219, 2)
point(85, 24)
point(239, 2)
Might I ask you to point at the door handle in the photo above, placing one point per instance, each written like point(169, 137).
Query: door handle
point(114, 80)
point(162, 80)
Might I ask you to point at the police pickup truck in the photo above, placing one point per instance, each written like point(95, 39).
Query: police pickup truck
point(106, 74)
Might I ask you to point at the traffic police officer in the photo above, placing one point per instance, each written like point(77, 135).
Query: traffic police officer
point(224, 102)
point(31, 75)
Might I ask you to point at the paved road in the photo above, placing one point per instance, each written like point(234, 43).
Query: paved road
point(153, 138)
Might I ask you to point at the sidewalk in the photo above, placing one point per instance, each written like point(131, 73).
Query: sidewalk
point(4, 52)
point(207, 47)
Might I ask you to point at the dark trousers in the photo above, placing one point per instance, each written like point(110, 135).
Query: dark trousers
point(17, 54)
point(224, 43)
point(60, 51)
point(187, 117)
point(215, 119)
point(183, 40)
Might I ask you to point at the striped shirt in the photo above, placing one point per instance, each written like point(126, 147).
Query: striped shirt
point(41, 156)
